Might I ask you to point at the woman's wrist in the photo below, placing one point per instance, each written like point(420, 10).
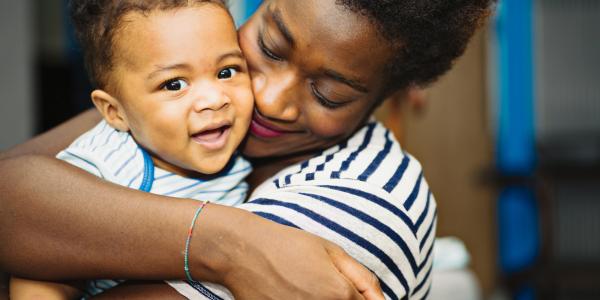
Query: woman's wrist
point(217, 242)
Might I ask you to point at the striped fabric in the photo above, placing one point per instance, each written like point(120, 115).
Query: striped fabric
point(116, 157)
point(366, 195)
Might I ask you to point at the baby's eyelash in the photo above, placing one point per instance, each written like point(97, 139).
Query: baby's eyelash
point(164, 85)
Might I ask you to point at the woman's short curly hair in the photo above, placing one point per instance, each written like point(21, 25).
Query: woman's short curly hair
point(426, 35)
point(96, 21)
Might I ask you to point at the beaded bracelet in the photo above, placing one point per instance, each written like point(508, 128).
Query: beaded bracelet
point(186, 266)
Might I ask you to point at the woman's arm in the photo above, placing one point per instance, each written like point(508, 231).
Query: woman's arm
point(59, 222)
point(58, 138)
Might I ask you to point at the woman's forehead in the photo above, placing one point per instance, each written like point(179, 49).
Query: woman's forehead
point(327, 16)
point(330, 36)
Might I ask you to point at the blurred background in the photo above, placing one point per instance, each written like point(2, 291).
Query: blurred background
point(509, 139)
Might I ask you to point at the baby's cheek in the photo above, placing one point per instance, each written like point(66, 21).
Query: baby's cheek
point(243, 96)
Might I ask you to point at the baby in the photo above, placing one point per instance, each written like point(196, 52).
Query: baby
point(174, 91)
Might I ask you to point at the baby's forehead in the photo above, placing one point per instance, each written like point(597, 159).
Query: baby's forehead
point(143, 36)
point(192, 38)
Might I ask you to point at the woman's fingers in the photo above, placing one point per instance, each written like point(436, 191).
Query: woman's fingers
point(272, 261)
point(363, 280)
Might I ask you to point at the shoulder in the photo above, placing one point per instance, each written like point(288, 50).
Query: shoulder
point(101, 139)
point(105, 152)
point(366, 195)
point(369, 166)
point(371, 158)
point(368, 169)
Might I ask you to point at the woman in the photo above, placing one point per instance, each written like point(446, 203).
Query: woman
point(319, 68)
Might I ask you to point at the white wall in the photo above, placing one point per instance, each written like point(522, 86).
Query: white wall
point(16, 72)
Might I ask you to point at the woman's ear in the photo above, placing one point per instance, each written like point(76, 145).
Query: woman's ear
point(111, 109)
point(417, 98)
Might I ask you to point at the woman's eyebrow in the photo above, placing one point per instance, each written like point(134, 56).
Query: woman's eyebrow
point(287, 35)
point(347, 81)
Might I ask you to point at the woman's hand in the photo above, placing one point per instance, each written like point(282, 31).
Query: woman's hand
point(361, 278)
point(260, 259)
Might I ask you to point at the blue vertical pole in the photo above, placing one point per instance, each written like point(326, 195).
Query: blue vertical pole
point(518, 226)
point(515, 147)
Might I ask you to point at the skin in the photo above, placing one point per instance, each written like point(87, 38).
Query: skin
point(29, 289)
point(165, 95)
point(285, 99)
point(190, 111)
point(292, 72)
point(290, 79)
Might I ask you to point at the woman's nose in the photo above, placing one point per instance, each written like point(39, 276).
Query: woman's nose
point(210, 97)
point(275, 95)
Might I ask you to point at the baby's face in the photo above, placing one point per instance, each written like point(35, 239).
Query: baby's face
point(184, 86)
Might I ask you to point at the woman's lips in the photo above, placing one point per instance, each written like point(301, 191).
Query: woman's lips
point(261, 130)
point(213, 139)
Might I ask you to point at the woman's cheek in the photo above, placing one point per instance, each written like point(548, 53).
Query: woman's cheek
point(329, 126)
point(336, 122)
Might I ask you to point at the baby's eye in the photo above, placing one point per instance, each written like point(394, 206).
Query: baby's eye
point(227, 73)
point(175, 85)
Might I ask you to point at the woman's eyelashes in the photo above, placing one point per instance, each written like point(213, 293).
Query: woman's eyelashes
point(265, 50)
point(271, 54)
point(323, 100)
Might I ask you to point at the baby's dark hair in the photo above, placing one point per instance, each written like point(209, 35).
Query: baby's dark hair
point(96, 22)
point(426, 35)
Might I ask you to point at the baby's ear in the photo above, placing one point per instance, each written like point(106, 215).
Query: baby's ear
point(111, 109)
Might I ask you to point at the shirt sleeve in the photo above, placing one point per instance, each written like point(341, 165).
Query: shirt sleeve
point(85, 151)
point(81, 159)
point(368, 222)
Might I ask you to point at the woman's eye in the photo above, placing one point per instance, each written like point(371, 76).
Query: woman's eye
point(175, 85)
point(323, 100)
point(266, 52)
point(227, 73)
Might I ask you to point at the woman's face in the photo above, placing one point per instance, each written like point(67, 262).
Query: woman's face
point(317, 70)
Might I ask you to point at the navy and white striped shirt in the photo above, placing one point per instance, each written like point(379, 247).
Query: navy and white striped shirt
point(366, 195)
point(116, 157)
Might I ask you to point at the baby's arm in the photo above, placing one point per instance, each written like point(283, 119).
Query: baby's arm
point(25, 289)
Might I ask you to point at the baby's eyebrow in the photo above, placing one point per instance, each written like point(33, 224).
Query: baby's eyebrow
point(161, 68)
point(234, 54)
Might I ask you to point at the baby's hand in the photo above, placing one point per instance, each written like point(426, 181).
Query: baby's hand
point(25, 289)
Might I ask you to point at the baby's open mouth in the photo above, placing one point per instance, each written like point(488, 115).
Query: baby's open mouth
point(213, 139)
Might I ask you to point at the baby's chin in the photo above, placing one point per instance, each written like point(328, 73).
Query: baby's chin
point(203, 169)
point(215, 165)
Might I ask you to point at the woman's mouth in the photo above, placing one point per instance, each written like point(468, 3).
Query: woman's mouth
point(262, 130)
point(213, 139)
